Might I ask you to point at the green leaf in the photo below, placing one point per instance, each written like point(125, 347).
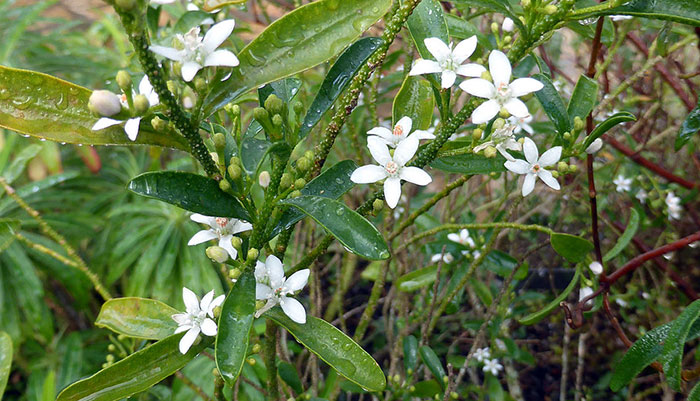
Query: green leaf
point(542, 313)
point(694, 394)
point(417, 279)
point(234, 328)
point(427, 21)
point(58, 112)
point(470, 163)
point(332, 184)
point(357, 234)
point(334, 348)
point(5, 360)
point(500, 263)
point(572, 248)
point(500, 6)
point(410, 352)
point(583, 99)
point(137, 317)
point(626, 236)
point(289, 374)
point(190, 19)
point(8, 227)
point(15, 169)
point(252, 153)
point(337, 79)
point(135, 373)
point(431, 360)
point(415, 100)
point(553, 104)
point(284, 89)
point(690, 127)
point(607, 125)
point(189, 191)
point(302, 39)
point(672, 354)
point(461, 29)
point(683, 11)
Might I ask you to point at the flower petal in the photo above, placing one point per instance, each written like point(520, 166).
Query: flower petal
point(216, 302)
point(262, 291)
point(379, 150)
point(189, 70)
point(105, 122)
point(202, 236)
point(550, 157)
point(499, 67)
point(415, 175)
point(420, 134)
point(368, 174)
point(422, 66)
point(190, 300)
point(188, 339)
point(448, 79)
point(405, 150)
point(297, 281)
point(225, 242)
point(200, 218)
point(208, 327)
point(294, 309)
point(523, 86)
point(275, 270)
point(517, 108)
point(182, 328)
point(382, 132)
point(528, 184)
point(517, 166)
point(146, 89)
point(392, 191)
point(530, 151)
point(464, 49)
point(406, 125)
point(437, 48)
point(223, 58)
point(479, 87)
point(547, 177)
point(132, 127)
point(167, 52)
point(485, 112)
point(180, 318)
point(206, 301)
point(217, 34)
point(470, 70)
point(241, 225)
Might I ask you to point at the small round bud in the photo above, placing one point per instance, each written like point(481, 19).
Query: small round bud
point(252, 254)
point(555, 174)
point(277, 120)
point(507, 39)
point(521, 140)
point(236, 243)
point(224, 185)
point(499, 123)
point(550, 9)
point(111, 348)
point(215, 372)
point(104, 103)
point(235, 109)
point(573, 168)
point(412, 388)
point(234, 161)
point(159, 124)
point(260, 114)
point(110, 358)
point(562, 167)
point(286, 181)
point(377, 206)
point(256, 348)
point(303, 164)
point(486, 75)
point(397, 378)
point(124, 80)
point(477, 133)
point(217, 311)
point(309, 154)
point(299, 183)
point(217, 254)
point(264, 179)
point(234, 273)
point(494, 27)
point(595, 146)
point(567, 135)
point(141, 104)
point(490, 152)
point(219, 140)
point(578, 123)
point(251, 361)
point(436, 397)
point(445, 379)
point(504, 113)
point(274, 104)
point(596, 268)
point(234, 171)
point(200, 84)
point(298, 107)
point(295, 194)
point(121, 337)
point(507, 25)
point(454, 395)
point(126, 4)
point(525, 3)
point(409, 372)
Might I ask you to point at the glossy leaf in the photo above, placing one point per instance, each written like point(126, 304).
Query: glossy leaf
point(5, 360)
point(683, 11)
point(461, 29)
point(500, 263)
point(626, 236)
point(672, 354)
point(332, 184)
point(583, 99)
point(252, 153)
point(572, 248)
point(694, 394)
point(415, 100)
point(302, 39)
point(690, 127)
point(58, 112)
point(189, 191)
point(431, 360)
point(607, 125)
point(470, 163)
point(410, 352)
point(138, 317)
point(334, 348)
point(36, 187)
point(357, 234)
point(417, 279)
point(542, 313)
point(337, 79)
point(135, 373)
point(289, 374)
point(234, 328)
point(499, 6)
point(553, 104)
point(427, 21)
point(285, 89)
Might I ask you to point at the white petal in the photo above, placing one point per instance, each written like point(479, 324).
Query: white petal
point(208, 327)
point(105, 122)
point(518, 166)
point(262, 291)
point(202, 236)
point(420, 134)
point(485, 112)
point(500, 69)
point(200, 218)
point(547, 178)
point(182, 328)
point(382, 132)
point(241, 225)
point(464, 49)
point(530, 151)
point(368, 174)
point(294, 309)
point(437, 48)
point(392, 191)
point(215, 303)
point(180, 318)
point(206, 301)
point(517, 108)
point(379, 150)
point(188, 339)
point(146, 89)
point(132, 127)
point(222, 58)
point(405, 150)
point(406, 125)
point(528, 184)
point(167, 52)
point(225, 242)
point(454, 237)
point(190, 300)
point(217, 34)
point(479, 87)
point(448, 79)
point(550, 157)
point(523, 86)
point(275, 271)
point(415, 175)
point(189, 70)
point(422, 66)
point(470, 70)
point(297, 281)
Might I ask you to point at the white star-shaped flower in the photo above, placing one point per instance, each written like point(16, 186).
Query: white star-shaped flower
point(641, 196)
point(501, 93)
point(622, 184)
point(273, 287)
point(199, 52)
point(502, 139)
point(462, 238)
point(222, 228)
point(534, 166)
point(391, 169)
point(445, 257)
point(198, 317)
point(673, 203)
point(492, 366)
point(401, 131)
point(131, 127)
point(521, 124)
point(482, 354)
point(448, 61)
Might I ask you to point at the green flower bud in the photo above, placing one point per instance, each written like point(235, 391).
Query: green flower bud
point(124, 81)
point(578, 123)
point(200, 84)
point(412, 388)
point(298, 107)
point(286, 181)
point(234, 273)
point(494, 28)
point(215, 372)
point(555, 174)
point(299, 183)
point(104, 103)
point(111, 348)
point(274, 104)
point(234, 171)
point(504, 113)
point(264, 179)
point(256, 348)
point(219, 140)
point(252, 254)
point(397, 378)
point(573, 168)
point(126, 4)
point(224, 185)
point(445, 379)
point(234, 161)
point(141, 104)
point(277, 120)
point(309, 154)
point(110, 358)
point(499, 123)
point(377, 206)
point(217, 311)
point(217, 254)
point(525, 3)
point(562, 167)
point(251, 361)
point(295, 194)
point(550, 9)
point(236, 243)
point(477, 133)
point(454, 395)
point(507, 39)
point(567, 135)
point(490, 152)
point(303, 164)
point(159, 124)
point(121, 337)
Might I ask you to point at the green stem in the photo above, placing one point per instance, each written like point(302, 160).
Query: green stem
point(270, 362)
point(367, 314)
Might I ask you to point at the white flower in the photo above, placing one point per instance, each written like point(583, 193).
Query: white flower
point(622, 184)
point(222, 228)
point(673, 203)
point(641, 195)
point(445, 257)
point(535, 166)
point(620, 17)
point(482, 354)
point(596, 268)
point(507, 25)
point(502, 139)
point(391, 168)
point(583, 292)
point(492, 366)
point(449, 61)
point(501, 93)
point(272, 286)
point(401, 131)
point(105, 103)
point(131, 127)
point(199, 52)
point(521, 123)
point(197, 317)
point(193, 7)
point(462, 238)
point(595, 146)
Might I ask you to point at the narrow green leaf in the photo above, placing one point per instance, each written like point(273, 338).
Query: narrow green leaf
point(431, 360)
point(285, 89)
point(690, 127)
point(683, 11)
point(672, 354)
point(553, 104)
point(137, 317)
point(470, 163)
point(357, 234)
point(410, 352)
point(426, 389)
point(135, 373)
point(415, 100)
point(499, 6)
point(8, 227)
point(500, 263)
point(417, 279)
point(303, 38)
point(460, 29)
point(5, 360)
point(289, 374)
point(583, 99)
point(58, 112)
point(252, 153)
point(427, 21)
point(572, 248)
point(15, 169)
point(694, 394)
point(334, 348)
point(189, 191)
point(337, 79)
point(626, 236)
point(607, 125)
point(542, 313)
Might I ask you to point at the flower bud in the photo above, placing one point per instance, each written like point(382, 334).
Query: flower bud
point(377, 206)
point(550, 9)
point(111, 348)
point(217, 311)
point(215, 372)
point(490, 152)
point(494, 28)
point(141, 104)
point(224, 185)
point(397, 378)
point(477, 133)
point(234, 273)
point(104, 103)
point(256, 348)
point(507, 25)
point(499, 123)
point(555, 174)
point(596, 268)
point(454, 395)
point(486, 75)
point(504, 113)
point(299, 183)
point(110, 358)
point(252, 254)
point(126, 4)
point(217, 254)
point(219, 140)
point(573, 168)
point(234, 161)
point(295, 194)
point(567, 135)
point(507, 39)
point(277, 120)
point(124, 81)
point(303, 164)
point(261, 115)
point(251, 361)
point(264, 179)
point(274, 104)
point(236, 243)
point(309, 154)
point(234, 171)
point(578, 123)
point(525, 3)
point(159, 124)
point(562, 167)
point(298, 107)
point(200, 84)
point(595, 146)
point(286, 181)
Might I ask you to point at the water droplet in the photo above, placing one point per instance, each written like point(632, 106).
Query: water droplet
point(256, 60)
point(347, 346)
point(62, 102)
point(22, 103)
point(332, 4)
point(375, 10)
point(340, 211)
point(4, 93)
point(73, 90)
point(345, 366)
point(384, 254)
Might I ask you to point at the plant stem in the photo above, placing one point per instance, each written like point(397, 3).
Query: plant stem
point(270, 359)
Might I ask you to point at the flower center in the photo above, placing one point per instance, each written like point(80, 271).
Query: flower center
point(391, 167)
point(503, 92)
point(535, 168)
point(448, 64)
point(191, 41)
point(221, 221)
point(398, 130)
